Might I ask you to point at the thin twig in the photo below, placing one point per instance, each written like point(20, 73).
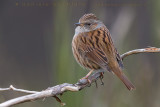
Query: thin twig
point(60, 89)
point(4, 89)
point(137, 51)
point(18, 90)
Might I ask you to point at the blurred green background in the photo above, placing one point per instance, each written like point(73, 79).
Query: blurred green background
point(35, 50)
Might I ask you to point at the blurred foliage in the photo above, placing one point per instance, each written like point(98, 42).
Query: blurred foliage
point(35, 50)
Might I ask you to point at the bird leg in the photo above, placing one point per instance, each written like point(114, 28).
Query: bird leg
point(96, 84)
point(101, 78)
point(86, 77)
point(90, 72)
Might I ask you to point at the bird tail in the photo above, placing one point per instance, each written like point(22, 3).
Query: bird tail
point(124, 79)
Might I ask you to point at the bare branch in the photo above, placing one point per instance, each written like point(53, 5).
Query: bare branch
point(4, 89)
point(18, 90)
point(52, 91)
point(136, 51)
point(60, 89)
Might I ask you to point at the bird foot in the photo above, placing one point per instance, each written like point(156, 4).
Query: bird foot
point(82, 80)
point(101, 78)
point(85, 80)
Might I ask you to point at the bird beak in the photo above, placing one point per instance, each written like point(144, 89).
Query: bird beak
point(78, 24)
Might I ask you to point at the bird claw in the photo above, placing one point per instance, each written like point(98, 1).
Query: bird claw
point(96, 84)
point(101, 78)
point(102, 83)
point(85, 80)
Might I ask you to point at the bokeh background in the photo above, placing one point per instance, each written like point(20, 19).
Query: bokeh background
point(35, 50)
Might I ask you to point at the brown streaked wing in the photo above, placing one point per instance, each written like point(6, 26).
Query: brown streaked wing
point(94, 54)
point(111, 46)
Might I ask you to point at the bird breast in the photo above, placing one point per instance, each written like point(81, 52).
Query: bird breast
point(78, 53)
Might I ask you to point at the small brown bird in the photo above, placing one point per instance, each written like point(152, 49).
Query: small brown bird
point(93, 48)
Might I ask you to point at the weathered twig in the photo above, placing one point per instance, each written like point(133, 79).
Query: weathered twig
point(52, 91)
point(18, 90)
point(60, 89)
point(136, 51)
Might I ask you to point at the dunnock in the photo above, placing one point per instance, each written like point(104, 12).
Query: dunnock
point(94, 50)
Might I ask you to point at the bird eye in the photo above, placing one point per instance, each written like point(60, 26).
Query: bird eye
point(88, 24)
